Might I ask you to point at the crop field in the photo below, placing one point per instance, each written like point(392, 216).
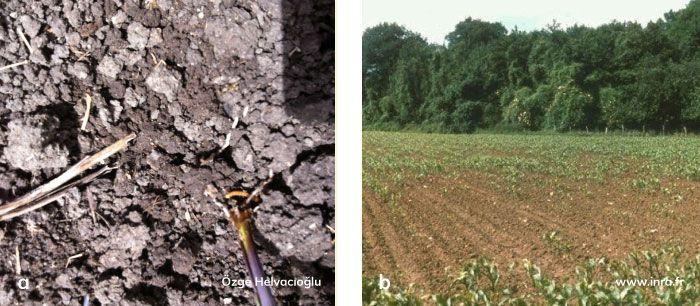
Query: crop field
point(434, 204)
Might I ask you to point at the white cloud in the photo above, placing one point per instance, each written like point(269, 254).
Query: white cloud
point(436, 18)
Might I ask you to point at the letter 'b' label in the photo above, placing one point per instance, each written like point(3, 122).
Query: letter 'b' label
point(384, 283)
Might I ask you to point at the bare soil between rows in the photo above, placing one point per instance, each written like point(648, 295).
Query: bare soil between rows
point(436, 224)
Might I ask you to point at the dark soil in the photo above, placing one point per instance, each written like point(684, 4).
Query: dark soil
point(179, 74)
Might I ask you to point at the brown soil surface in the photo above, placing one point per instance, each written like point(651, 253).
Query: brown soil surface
point(438, 224)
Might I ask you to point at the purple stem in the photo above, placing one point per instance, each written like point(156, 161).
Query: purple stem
point(242, 222)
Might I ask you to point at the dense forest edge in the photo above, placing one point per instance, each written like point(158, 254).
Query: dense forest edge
point(619, 76)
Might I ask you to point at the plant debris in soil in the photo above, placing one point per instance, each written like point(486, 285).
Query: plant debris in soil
point(219, 93)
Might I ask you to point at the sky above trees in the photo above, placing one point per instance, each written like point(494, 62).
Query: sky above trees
point(434, 19)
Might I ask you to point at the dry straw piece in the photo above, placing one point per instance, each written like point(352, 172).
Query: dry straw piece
point(88, 105)
point(18, 261)
point(14, 65)
point(24, 40)
point(55, 188)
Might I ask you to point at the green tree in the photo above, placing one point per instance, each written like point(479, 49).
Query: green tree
point(612, 105)
point(620, 74)
point(466, 117)
point(381, 46)
point(569, 110)
point(691, 110)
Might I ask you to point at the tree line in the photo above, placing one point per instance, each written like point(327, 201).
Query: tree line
point(620, 75)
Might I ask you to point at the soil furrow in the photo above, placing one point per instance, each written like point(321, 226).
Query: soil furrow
point(405, 270)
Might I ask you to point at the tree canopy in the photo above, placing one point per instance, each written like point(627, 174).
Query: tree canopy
point(618, 75)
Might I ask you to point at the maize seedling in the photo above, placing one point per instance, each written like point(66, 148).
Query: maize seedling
point(241, 216)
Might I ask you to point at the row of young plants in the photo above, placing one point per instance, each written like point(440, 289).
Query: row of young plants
point(595, 157)
point(595, 282)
